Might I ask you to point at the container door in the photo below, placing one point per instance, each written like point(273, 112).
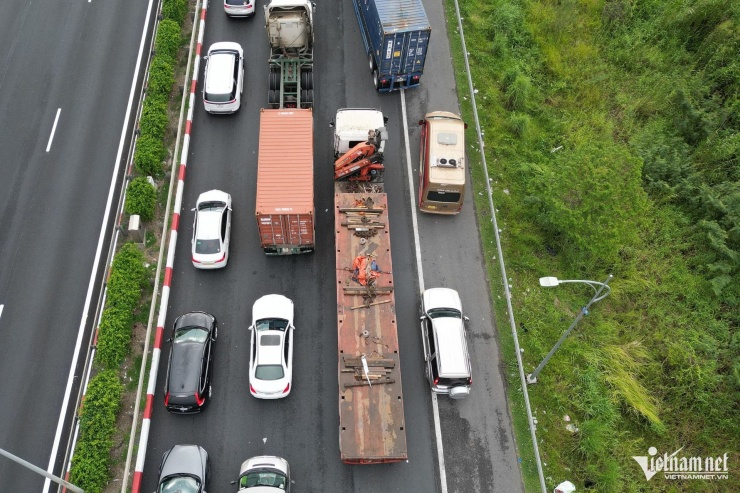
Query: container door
point(415, 51)
point(299, 229)
point(272, 231)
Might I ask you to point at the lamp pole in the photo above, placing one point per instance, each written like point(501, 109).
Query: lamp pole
point(554, 281)
point(38, 470)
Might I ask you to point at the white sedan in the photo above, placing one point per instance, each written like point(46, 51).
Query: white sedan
point(271, 351)
point(211, 230)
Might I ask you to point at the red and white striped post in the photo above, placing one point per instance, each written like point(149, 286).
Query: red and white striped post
point(164, 299)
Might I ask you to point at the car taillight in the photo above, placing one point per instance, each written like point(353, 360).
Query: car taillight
point(436, 381)
point(223, 257)
point(199, 400)
point(252, 389)
point(470, 380)
point(167, 399)
point(287, 388)
point(416, 77)
point(196, 261)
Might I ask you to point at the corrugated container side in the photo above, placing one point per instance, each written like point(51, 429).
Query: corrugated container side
point(285, 199)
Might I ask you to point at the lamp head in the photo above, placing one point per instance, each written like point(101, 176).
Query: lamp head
point(549, 282)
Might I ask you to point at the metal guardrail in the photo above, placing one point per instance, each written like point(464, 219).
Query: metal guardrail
point(502, 266)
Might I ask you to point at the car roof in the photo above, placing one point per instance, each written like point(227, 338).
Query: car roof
point(219, 78)
point(195, 319)
point(450, 334)
point(185, 367)
point(270, 347)
point(213, 196)
point(209, 225)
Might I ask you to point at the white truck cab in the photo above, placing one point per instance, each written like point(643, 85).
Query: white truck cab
point(351, 127)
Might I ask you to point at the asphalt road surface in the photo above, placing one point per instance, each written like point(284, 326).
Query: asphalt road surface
point(303, 428)
point(72, 62)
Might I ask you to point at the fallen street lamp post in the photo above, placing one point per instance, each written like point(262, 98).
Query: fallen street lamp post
point(549, 282)
point(38, 470)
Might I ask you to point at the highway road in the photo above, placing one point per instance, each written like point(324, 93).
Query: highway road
point(66, 70)
point(480, 453)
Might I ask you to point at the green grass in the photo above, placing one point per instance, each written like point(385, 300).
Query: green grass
point(608, 144)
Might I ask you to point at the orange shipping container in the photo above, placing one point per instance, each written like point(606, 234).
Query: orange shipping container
point(285, 210)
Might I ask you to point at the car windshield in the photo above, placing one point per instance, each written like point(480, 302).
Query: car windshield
point(191, 334)
point(234, 2)
point(269, 372)
point(206, 247)
point(444, 312)
point(180, 484)
point(263, 478)
point(272, 324)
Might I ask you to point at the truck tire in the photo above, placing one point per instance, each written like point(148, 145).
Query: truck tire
point(273, 97)
point(309, 96)
point(371, 62)
point(375, 79)
point(307, 79)
point(274, 79)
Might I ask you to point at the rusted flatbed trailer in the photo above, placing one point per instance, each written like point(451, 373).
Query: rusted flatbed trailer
point(371, 420)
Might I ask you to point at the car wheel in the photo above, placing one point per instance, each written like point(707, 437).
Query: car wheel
point(215, 333)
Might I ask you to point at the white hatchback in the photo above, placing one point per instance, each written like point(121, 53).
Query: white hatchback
point(271, 348)
point(224, 78)
point(211, 230)
point(239, 8)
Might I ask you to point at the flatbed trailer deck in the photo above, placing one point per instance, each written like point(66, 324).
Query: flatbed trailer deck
point(372, 426)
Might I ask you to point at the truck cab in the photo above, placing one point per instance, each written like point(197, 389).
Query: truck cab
point(351, 127)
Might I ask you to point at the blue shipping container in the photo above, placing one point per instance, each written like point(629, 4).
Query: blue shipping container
point(396, 36)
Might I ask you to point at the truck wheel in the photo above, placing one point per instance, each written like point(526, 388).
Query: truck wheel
point(309, 96)
point(307, 80)
point(274, 80)
point(375, 79)
point(371, 62)
point(273, 97)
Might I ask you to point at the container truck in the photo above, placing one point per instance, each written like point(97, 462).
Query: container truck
point(285, 202)
point(396, 38)
point(371, 418)
point(289, 26)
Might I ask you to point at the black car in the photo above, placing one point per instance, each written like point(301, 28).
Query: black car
point(184, 469)
point(188, 384)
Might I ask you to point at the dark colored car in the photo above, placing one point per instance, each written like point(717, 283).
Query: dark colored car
point(184, 469)
point(188, 384)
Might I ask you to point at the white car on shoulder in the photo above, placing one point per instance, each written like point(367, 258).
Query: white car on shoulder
point(224, 78)
point(271, 349)
point(211, 230)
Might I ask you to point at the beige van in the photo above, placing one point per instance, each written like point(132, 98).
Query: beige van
point(442, 163)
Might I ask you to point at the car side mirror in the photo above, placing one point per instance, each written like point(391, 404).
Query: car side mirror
point(423, 317)
point(233, 482)
point(331, 124)
point(250, 327)
point(192, 210)
point(205, 57)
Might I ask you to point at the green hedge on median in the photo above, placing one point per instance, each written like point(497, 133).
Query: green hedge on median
point(154, 119)
point(168, 39)
point(150, 153)
point(175, 10)
point(161, 77)
point(97, 425)
point(141, 198)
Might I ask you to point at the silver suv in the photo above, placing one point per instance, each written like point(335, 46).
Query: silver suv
point(445, 348)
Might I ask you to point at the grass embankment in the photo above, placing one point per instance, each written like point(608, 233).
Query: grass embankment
point(612, 139)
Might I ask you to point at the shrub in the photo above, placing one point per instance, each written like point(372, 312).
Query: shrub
point(175, 10)
point(161, 78)
point(141, 198)
point(154, 118)
point(168, 39)
point(114, 337)
point(97, 425)
point(150, 153)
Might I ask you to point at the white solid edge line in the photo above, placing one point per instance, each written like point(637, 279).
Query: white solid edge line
point(420, 273)
point(101, 238)
point(53, 129)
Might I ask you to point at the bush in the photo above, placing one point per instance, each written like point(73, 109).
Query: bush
point(150, 153)
point(175, 10)
point(114, 337)
point(168, 39)
point(161, 78)
point(154, 118)
point(97, 425)
point(141, 199)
